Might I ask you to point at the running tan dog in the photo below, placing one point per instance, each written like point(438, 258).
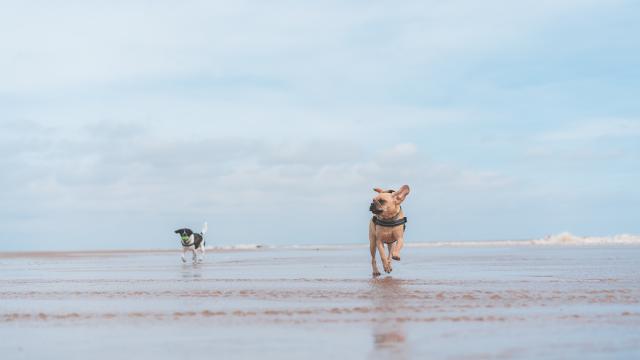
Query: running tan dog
point(387, 226)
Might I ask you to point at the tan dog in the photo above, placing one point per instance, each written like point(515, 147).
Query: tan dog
point(387, 226)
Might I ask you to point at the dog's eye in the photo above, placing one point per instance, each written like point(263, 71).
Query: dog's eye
point(382, 202)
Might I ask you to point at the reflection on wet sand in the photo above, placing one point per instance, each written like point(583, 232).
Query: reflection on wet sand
point(389, 335)
point(498, 302)
point(191, 271)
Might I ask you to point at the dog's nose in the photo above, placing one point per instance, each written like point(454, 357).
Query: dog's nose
point(372, 207)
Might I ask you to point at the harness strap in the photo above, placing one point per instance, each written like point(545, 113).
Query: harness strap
point(196, 240)
point(391, 223)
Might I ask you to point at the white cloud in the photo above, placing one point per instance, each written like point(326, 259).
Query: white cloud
point(595, 129)
point(589, 144)
point(138, 109)
point(400, 150)
point(52, 47)
point(118, 166)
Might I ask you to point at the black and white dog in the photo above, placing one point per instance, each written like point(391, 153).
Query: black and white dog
point(192, 241)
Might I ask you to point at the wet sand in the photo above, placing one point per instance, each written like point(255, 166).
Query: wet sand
point(454, 303)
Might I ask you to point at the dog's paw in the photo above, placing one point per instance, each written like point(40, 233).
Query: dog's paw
point(376, 273)
point(387, 268)
point(396, 258)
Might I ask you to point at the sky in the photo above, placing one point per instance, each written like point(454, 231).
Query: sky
point(121, 121)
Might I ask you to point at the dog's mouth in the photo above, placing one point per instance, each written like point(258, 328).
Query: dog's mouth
point(373, 209)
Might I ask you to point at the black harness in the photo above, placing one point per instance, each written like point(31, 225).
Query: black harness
point(391, 223)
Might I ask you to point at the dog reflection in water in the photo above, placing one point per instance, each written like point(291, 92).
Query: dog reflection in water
point(389, 339)
point(388, 297)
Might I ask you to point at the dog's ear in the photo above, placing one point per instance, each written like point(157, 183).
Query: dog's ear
point(378, 190)
point(401, 194)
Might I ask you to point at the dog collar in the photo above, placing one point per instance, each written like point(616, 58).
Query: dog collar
point(390, 223)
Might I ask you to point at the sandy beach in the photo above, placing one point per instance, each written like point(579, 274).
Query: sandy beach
point(453, 302)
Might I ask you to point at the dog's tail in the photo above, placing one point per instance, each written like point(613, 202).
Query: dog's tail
point(205, 228)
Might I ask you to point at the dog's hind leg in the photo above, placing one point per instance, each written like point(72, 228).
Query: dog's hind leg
point(397, 247)
point(202, 252)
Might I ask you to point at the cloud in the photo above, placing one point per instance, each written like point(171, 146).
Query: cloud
point(595, 130)
point(152, 112)
point(106, 170)
point(103, 177)
point(307, 49)
point(401, 150)
point(596, 144)
point(114, 130)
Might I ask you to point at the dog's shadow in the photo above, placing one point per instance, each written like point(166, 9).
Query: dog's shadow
point(388, 297)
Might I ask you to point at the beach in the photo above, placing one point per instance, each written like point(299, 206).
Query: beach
point(449, 302)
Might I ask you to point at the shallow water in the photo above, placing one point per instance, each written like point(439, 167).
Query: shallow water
point(490, 302)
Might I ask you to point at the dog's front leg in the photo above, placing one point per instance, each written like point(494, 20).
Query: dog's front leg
point(385, 260)
point(372, 247)
point(194, 256)
point(184, 251)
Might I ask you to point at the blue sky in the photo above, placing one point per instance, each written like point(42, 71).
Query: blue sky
point(122, 121)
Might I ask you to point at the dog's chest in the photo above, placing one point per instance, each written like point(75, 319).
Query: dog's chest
point(387, 234)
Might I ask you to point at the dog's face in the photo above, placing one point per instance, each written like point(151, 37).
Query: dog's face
point(387, 203)
point(184, 234)
point(184, 231)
